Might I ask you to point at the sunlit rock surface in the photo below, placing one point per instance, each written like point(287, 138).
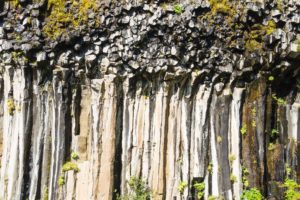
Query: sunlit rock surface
point(168, 97)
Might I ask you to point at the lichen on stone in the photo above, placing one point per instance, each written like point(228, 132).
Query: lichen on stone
point(64, 17)
point(10, 106)
point(68, 166)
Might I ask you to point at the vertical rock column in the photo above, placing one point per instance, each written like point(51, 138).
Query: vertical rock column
point(61, 128)
point(17, 130)
point(103, 135)
point(235, 141)
point(41, 140)
point(199, 136)
point(253, 141)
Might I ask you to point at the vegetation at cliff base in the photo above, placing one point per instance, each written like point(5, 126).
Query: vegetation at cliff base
point(292, 190)
point(138, 190)
point(252, 194)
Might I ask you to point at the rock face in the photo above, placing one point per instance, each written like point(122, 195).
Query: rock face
point(174, 94)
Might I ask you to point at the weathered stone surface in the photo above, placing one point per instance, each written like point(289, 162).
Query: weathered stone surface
point(145, 90)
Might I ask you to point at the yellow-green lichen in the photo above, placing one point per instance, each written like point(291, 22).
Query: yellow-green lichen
point(243, 130)
point(68, 166)
point(221, 6)
point(254, 38)
point(233, 178)
point(199, 187)
point(10, 106)
point(181, 187)
point(61, 180)
point(13, 3)
point(46, 193)
point(231, 158)
point(61, 19)
point(74, 156)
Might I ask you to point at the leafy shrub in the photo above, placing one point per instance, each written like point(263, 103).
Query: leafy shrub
point(292, 192)
point(68, 166)
point(181, 187)
point(178, 9)
point(274, 133)
point(138, 190)
point(244, 129)
point(61, 180)
point(279, 101)
point(74, 156)
point(244, 178)
point(199, 187)
point(252, 194)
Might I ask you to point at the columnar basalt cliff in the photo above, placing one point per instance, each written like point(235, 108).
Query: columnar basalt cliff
point(95, 94)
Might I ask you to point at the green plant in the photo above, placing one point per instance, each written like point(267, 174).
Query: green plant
point(199, 187)
point(62, 18)
point(68, 166)
point(138, 190)
point(288, 170)
point(231, 158)
point(61, 180)
point(244, 178)
point(252, 194)
point(210, 167)
point(274, 133)
point(271, 147)
point(233, 178)
point(10, 105)
point(271, 78)
point(181, 187)
point(178, 9)
point(292, 190)
point(244, 129)
point(253, 115)
point(74, 156)
point(278, 100)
